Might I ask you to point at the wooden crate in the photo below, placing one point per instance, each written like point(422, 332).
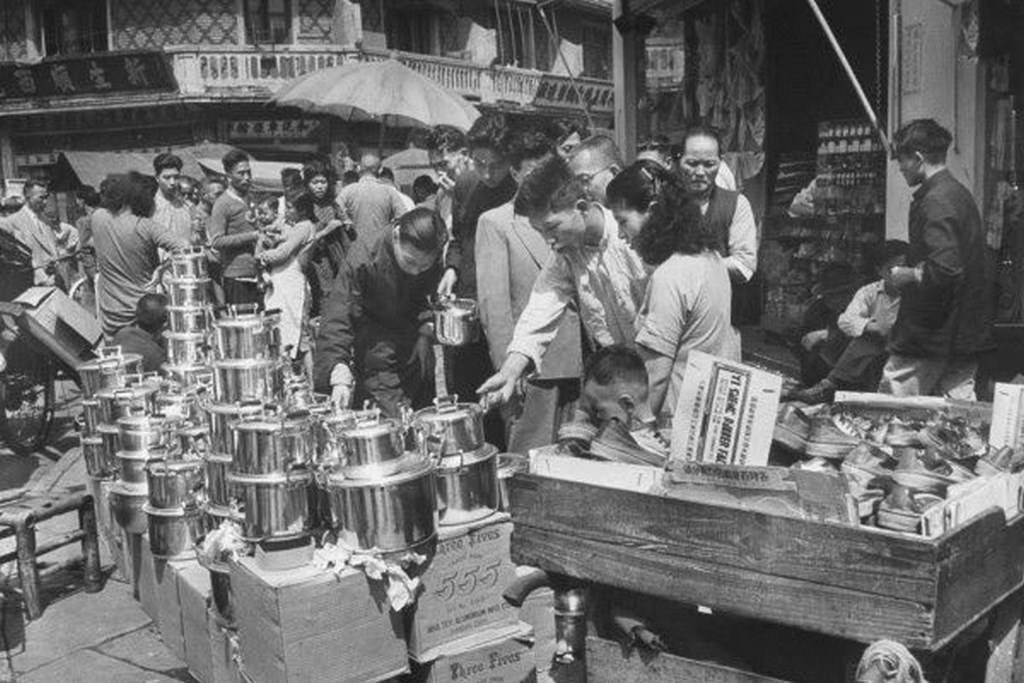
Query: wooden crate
point(609, 662)
point(158, 593)
point(481, 658)
point(856, 583)
point(310, 626)
point(462, 587)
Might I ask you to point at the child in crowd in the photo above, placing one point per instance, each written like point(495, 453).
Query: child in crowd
point(283, 246)
point(614, 420)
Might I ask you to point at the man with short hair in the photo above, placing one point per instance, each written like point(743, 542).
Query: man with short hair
point(515, 253)
point(591, 265)
point(372, 204)
point(30, 228)
point(594, 162)
point(145, 335)
point(233, 234)
point(448, 153)
point(946, 305)
point(171, 209)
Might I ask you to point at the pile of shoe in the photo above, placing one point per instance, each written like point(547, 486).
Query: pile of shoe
point(896, 466)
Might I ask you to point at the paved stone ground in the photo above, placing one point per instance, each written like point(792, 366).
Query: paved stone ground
point(81, 637)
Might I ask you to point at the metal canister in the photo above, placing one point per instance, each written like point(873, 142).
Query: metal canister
point(467, 487)
point(91, 417)
point(126, 506)
point(277, 506)
point(108, 371)
point(222, 415)
point(188, 318)
point(170, 533)
point(219, 491)
point(189, 375)
point(244, 336)
point(243, 380)
point(173, 484)
point(143, 431)
point(110, 436)
point(131, 465)
point(97, 465)
point(188, 291)
point(117, 402)
point(189, 263)
point(187, 348)
point(393, 513)
point(270, 444)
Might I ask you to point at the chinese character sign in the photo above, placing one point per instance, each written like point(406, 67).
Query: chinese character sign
point(99, 73)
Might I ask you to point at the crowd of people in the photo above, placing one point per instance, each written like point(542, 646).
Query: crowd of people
point(585, 267)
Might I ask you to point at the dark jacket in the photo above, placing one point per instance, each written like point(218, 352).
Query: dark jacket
point(461, 250)
point(152, 347)
point(373, 300)
point(950, 312)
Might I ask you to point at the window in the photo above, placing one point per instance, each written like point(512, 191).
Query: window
point(597, 50)
point(71, 27)
point(268, 21)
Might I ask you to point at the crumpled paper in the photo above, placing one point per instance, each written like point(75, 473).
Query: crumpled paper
point(223, 543)
point(401, 589)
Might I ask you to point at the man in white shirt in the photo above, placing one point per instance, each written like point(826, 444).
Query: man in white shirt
point(29, 227)
point(591, 265)
point(867, 321)
point(171, 210)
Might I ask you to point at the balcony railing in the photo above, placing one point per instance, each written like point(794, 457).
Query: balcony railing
point(249, 73)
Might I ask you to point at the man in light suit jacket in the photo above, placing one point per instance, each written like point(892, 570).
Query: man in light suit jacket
point(29, 227)
point(510, 254)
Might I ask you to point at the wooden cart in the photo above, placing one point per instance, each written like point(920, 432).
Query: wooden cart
point(860, 584)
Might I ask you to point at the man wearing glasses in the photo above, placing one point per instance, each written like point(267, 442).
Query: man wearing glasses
point(594, 163)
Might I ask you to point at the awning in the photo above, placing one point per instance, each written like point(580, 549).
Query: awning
point(266, 175)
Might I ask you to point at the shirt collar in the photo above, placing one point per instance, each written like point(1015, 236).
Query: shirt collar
point(929, 183)
point(231, 192)
point(368, 179)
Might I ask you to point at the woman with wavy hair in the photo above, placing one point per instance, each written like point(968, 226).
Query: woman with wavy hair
point(688, 302)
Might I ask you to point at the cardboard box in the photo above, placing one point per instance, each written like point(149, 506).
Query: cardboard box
point(462, 587)
point(113, 538)
point(1007, 416)
point(307, 625)
point(194, 596)
point(158, 593)
point(73, 326)
point(483, 658)
point(726, 412)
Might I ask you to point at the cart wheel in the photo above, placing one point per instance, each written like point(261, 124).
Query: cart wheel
point(26, 407)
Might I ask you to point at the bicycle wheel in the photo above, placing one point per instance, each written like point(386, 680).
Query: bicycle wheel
point(26, 405)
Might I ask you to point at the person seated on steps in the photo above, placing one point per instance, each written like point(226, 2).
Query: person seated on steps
point(866, 323)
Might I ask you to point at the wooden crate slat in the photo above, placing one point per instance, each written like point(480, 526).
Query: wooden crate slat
point(887, 565)
point(813, 606)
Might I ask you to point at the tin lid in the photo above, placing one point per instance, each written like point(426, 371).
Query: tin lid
point(159, 466)
point(290, 478)
point(123, 488)
point(177, 511)
point(454, 462)
point(238, 409)
point(446, 410)
point(198, 337)
point(188, 281)
point(263, 424)
point(244, 363)
point(142, 422)
point(141, 390)
point(412, 467)
point(111, 358)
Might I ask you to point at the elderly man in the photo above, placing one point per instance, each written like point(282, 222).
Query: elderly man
point(946, 308)
point(30, 227)
point(372, 205)
point(594, 162)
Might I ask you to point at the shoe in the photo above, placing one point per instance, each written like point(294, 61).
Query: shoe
point(902, 434)
point(924, 470)
point(827, 440)
point(792, 428)
point(822, 392)
point(899, 512)
point(955, 439)
point(867, 461)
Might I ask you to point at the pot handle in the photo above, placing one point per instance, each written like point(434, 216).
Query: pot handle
point(109, 364)
point(111, 351)
point(446, 404)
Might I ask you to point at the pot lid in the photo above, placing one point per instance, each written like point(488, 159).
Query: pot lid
point(92, 441)
point(112, 362)
point(194, 309)
point(243, 363)
point(447, 409)
point(147, 422)
point(163, 512)
point(266, 425)
point(454, 462)
point(186, 336)
point(127, 393)
point(369, 430)
point(409, 466)
point(122, 488)
point(105, 428)
point(291, 478)
point(174, 466)
point(244, 408)
point(152, 454)
point(188, 281)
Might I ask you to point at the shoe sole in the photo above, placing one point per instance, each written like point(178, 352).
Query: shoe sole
point(818, 449)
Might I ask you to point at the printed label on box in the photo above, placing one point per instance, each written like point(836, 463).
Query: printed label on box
point(726, 412)
point(1007, 416)
point(462, 588)
point(505, 659)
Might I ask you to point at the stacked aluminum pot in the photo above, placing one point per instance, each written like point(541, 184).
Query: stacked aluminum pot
point(188, 317)
point(107, 373)
point(451, 435)
point(381, 495)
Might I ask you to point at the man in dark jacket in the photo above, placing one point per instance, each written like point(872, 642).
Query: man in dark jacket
point(145, 336)
point(946, 310)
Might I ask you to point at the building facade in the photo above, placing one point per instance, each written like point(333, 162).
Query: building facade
point(144, 75)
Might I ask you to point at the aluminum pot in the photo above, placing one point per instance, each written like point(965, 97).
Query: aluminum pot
point(189, 263)
point(90, 417)
point(108, 371)
point(187, 348)
point(140, 431)
point(222, 415)
point(173, 484)
point(110, 435)
point(456, 321)
point(131, 465)
point(249, 335)
point(276, 506)
point(188, 291)
point(116, 402)
point(192, 439)
point(219, 491)
point(393, 514)
point(170, 534)
point(370, 449)
point(270, 444)
point(467, 487)
point(183, 319)
point(97, 465)
point(126, 506)
point(508, 465)
point(188, 375)
point(449, 428)
point(183, 405)
point(241, 380)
